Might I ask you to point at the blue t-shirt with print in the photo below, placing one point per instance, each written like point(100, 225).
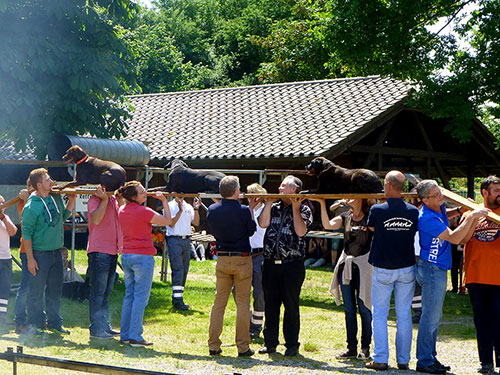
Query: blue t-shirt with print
point(433, 249)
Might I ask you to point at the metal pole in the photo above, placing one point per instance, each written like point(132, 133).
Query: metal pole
point(73, 230)
point(94, 368)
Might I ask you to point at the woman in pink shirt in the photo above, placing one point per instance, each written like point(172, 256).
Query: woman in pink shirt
point(137, 258)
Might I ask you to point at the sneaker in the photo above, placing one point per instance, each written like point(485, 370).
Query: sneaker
point(267, 350)
point(112, 331)
point(124, 341)
point(348, 354)
point(137, 344)
point(377, 366)
point(101, 335)
point(364, 354)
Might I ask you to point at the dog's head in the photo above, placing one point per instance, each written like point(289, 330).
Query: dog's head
point(74, 154)
point(317, 166)
point(176, 163)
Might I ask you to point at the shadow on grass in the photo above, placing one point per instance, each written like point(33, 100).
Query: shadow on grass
point(276, 359)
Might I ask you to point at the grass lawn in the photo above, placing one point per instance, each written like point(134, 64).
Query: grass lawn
point(180, 338)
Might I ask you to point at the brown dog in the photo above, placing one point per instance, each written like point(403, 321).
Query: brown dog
point(90, 170)
point(337, 180)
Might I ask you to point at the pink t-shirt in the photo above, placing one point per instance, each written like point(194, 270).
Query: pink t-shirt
point(106, 237)
point(136, 226)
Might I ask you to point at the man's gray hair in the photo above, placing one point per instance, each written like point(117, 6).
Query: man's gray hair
point(295, 181)
point(424, 187)
point(228, 185)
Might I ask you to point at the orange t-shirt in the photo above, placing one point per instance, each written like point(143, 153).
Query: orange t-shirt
point(20, 206)
point(482, 254)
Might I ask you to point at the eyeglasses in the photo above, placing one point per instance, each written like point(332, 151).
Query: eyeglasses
point(438, 194)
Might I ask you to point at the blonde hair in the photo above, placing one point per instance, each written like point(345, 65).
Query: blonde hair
point(36, 176)
point(255, 188)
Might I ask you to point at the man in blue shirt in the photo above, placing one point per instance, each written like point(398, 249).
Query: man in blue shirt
point(435, 260)
point(231, 224)
point(393, 258)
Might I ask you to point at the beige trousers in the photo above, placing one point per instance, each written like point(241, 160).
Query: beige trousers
point(231, 271)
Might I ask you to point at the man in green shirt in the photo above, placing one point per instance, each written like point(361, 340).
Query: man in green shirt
point(43, 219)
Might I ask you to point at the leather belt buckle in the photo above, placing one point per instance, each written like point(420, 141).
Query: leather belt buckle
point(278, 261)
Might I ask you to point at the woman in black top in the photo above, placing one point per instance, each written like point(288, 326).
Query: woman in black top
point(353, 273)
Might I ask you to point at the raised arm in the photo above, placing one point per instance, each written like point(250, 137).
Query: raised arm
point(166, 218)
point(459, 234)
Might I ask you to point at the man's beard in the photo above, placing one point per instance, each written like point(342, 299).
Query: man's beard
point(495, 203)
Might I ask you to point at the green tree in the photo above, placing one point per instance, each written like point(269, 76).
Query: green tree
point(346, 38)
point(63, 69)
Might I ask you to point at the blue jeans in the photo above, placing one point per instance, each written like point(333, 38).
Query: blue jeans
point(138, 275)
point(433, 281)
point(101, 271)
point(402, 281)
point(22, 292)
point(48, 279)
point(350, 295)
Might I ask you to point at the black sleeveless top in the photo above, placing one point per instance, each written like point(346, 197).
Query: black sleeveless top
point(357, 236)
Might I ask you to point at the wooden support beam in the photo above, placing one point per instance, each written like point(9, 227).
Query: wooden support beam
point(380, 141)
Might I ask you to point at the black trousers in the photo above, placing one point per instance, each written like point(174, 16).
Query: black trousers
point(282, 284)
point(485, 300)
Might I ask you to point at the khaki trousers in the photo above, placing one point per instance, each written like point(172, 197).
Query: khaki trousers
point(231, 271)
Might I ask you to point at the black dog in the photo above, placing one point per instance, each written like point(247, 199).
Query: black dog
point(183, 179)
point(90, 170)
point(333, 179)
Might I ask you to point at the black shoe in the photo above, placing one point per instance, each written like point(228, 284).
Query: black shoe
point(403, 367)
point(348, 354)
point(267, 350)
point(364, 354)
point(60, 329)
point(215, 352)
point(291, 352)
point(440, 365)
point(139, 344)
point(248, 353)
point(432, 369)
point(487, 368)
point(379, 366)
point(181, 306)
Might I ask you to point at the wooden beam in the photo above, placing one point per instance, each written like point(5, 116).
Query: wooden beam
point(461, 201)
point(380, 141)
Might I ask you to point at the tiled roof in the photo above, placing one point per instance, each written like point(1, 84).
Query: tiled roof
point(280, 120)
point(9, 152)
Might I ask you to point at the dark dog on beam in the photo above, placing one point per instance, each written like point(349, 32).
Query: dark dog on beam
point(333, 179)
point(183, 179)
point(90, 170)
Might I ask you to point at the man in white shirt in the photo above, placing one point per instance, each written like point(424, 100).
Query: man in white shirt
point(257, 245)
point(179, 245)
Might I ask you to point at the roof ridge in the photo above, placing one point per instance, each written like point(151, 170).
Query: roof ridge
point(295, 83)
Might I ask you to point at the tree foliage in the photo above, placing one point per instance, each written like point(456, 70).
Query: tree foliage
point(63, 69)
point(345, 38)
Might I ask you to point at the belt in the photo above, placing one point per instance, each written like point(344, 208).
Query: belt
point(234, 254)
point(182, 237)
point(281, 261)
point(257, 251)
